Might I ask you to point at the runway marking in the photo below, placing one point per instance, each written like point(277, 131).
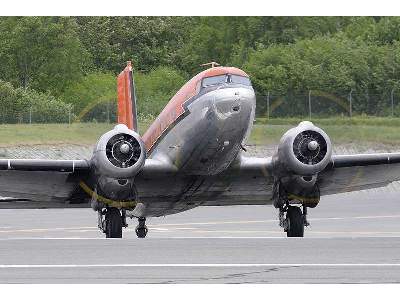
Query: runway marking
point(47, 229)
point(311, 232)
point(205, 265)
point(275, 220)
point(161, 227)
point(199, 237)
point(54, 238)
point(281, 237)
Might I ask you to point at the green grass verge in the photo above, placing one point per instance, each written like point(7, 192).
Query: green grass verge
point(265, 132)
point(46, 134)
point(357, 130)
point(343, 121)
point(339, 134)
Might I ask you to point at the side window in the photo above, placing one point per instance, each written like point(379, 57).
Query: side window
point(240, 80)
point(208, 81)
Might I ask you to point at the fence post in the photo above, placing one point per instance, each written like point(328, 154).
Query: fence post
point(392, 100)
point(268, 105)
point(69, 116)
point(30, 115)
point(350, 103)
point(309, 104)
point(108, 111)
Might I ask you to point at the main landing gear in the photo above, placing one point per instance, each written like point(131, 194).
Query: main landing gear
point(295, 221)
point(111, 221)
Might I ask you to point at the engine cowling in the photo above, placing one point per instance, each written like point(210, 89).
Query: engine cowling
point(119, 153)
point(304, 150)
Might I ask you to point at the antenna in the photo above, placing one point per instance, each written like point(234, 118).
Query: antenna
point(213, 64)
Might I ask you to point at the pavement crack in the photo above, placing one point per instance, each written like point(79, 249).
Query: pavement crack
point(230, 276)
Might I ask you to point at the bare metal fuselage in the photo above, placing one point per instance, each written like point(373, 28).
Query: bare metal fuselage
point(209, 137)
point(202, 144)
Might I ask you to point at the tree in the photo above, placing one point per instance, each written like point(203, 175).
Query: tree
point(156, 88)
point(148, 41)
point(78, 57)
point(94, 89)
point(42, 53)
point(95, 95)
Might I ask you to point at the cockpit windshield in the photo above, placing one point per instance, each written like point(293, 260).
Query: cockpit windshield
point(214, 80)
point(240, 80)
point(226, 78)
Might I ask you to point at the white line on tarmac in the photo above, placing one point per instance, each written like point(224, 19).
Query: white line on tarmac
point(159, 227)
point(275, 220)
point(205, 265)
point(311, 232)
point(200, 237)
point(47, 229)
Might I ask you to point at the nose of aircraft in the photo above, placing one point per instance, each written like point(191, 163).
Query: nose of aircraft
point(231, 101)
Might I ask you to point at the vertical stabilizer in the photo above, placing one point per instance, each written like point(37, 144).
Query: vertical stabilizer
point(127, 111)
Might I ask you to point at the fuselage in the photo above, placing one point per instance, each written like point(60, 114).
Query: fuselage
point(202, 129)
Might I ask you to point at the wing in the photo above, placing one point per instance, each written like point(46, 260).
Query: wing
point(40, 183)
point(252, 180)
point(347, 173)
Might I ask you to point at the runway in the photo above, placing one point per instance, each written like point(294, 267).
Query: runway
point(353, 238)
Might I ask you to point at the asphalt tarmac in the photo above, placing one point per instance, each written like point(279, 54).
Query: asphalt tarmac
point(353, 238)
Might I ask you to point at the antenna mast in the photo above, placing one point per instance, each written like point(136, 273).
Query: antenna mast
point(213, 64)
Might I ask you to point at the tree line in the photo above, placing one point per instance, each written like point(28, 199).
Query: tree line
point(75, 60)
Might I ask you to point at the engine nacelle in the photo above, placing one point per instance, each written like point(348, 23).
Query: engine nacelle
point(304, 150)
point(119, 153)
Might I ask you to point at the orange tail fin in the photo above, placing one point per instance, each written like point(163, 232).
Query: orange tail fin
point(127, 113)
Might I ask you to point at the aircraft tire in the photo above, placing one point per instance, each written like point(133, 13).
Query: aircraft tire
point(141, 232)
point(296, 222)
point(113, 223)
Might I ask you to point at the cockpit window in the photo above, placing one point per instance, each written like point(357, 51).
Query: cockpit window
point(226, 78)
point(240, 80)
point(208, 81)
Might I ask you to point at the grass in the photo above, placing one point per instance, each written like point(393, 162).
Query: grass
point(339, 134)
point(341, 130)
point(342, 121)
point(53, 134)
point(24, 134)
point(359, 130)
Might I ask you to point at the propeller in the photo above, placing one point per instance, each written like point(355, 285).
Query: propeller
point(123, 150)
point(309, 147)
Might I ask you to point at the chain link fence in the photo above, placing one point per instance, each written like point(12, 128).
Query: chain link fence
point(105, 112)
point(320, 104)
point(307, 105)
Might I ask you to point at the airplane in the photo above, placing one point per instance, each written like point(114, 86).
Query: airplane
point(194, 154)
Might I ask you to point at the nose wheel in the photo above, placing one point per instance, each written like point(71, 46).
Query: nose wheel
point(141, 230)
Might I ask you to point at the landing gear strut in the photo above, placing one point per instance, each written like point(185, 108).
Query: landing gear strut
point(295, 220)
point(293, 210)
point(141, 230)
point(112, 222)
